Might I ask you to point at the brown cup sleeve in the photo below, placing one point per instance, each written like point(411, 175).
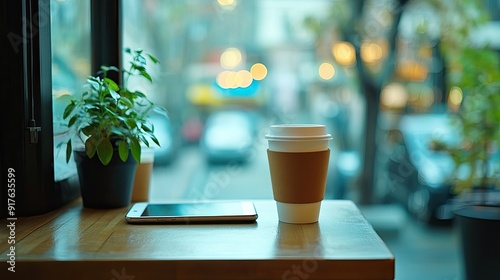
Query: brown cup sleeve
point(298, 177)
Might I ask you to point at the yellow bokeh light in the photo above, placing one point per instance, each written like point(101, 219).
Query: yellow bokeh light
point(243, 78)
point(371, 52)
point(455, 97)
point(226, 2)
point(231, 79)
point(220, 79)
point(344, 53)
point(258, 71)
point(223, 78)
point(326, 71)
point(412, 70)
point(228, 5)
point(394, 96)
point(231, 58)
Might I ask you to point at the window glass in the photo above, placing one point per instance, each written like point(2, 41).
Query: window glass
point(70, 23)
point(231, 68)
point(228, 70)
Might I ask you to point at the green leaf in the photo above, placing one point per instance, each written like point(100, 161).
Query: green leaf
point(88, 130)
point(153, 59)
point(140, 65)
point(94, 83)
point(105, 151)
point(155, 140)
point(72, 121)
point(123, 150)
point(59, 145)
point(146, 75)
point(114, 94)
point(139, 94)
point(146, 128)
point(161, 110)
point(144, 140)
point(69, 150)
point(138, 52)
point(116, 131)
point(111, 84)
point(135, 148)
point(131, 123)
point(91, 146)
point(68, 109)
point(125, 101)
point(111, 112)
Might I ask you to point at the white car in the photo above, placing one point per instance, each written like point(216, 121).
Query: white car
point(228, 136)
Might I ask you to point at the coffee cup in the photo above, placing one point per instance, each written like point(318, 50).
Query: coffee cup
point(143, 175)
point(298, 156)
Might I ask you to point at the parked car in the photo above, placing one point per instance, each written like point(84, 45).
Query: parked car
point(421, 178)
point(228, 136)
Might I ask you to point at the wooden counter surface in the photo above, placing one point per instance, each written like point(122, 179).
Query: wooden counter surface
point(79, 243)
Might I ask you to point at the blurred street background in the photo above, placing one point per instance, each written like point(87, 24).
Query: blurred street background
point(384, 76)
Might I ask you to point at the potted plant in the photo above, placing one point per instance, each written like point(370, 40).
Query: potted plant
point(110, 121)
point(477, 163)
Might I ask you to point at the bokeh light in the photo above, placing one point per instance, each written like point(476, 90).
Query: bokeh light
point(412, 70)
point(243, 79)
point(344, 53)
point(371, 52)
point(226, 79)
point(258, 71)
point(326, 71)
point(232, 79)
point(231, 58)
point(394, 96)
point(227, 4)
point(456, 96)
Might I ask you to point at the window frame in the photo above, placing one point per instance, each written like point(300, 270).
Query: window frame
point(27, 142)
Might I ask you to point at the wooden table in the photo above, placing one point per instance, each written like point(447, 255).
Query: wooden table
point(79, 243)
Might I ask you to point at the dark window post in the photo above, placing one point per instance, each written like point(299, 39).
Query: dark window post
point(26, 147)
point(106, 35)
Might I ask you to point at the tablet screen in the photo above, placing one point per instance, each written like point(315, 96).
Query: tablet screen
point(194, 209)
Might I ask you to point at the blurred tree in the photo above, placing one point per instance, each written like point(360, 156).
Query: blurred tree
point(369, 26)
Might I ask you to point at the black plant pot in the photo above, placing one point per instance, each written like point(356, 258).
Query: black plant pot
point(479, 228)
point(107, 186)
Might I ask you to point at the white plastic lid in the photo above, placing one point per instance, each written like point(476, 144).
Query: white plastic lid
point(147, 154)
point(298, 131)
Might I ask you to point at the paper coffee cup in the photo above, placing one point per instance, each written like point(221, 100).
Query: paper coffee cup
point(298, 157)
point(143, 175)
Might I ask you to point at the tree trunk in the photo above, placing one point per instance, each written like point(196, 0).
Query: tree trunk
point(371, 85)
point(366, 181)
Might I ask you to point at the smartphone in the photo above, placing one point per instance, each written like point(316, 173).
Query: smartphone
point(192, 212)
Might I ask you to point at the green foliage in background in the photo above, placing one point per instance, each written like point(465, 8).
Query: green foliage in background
point(476, 71)
point(109, 117)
